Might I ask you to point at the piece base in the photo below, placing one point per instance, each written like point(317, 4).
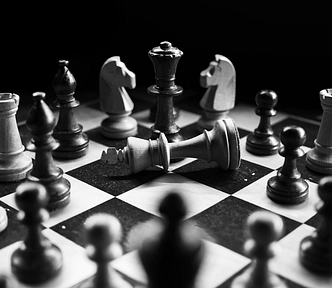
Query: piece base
point(72, 144)
point(17, 170)
point(319, 162)
point(259, 145)
point(38, 267)
point(290, 192)
point(57, 187)
point(120, 128)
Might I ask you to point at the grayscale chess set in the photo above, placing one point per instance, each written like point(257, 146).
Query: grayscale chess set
point(120, 192)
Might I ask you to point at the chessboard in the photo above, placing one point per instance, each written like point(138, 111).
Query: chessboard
point(218, 202)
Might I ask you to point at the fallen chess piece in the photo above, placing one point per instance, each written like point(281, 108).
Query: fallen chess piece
point(221, 145)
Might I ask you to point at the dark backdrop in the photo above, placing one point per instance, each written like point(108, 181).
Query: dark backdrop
point(278, 46)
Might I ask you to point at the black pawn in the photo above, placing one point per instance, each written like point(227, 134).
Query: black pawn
point(262, 141)
point(73, 142)
point(37, 259)
point(41, 123)
point(316, 250)
point(265, 229)
point(173, 257)
point(288, 187)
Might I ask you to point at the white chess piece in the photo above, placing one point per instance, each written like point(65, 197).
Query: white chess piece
point(114, 100)
point(219, 98)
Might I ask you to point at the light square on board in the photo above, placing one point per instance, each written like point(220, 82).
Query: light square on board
point(288, 265)
point(245, 117)
point(274, 161)
point(219, 263)
point(149, 195)
point(255, 193)
point(83, 197)
point(88, 117)
point(76, 265)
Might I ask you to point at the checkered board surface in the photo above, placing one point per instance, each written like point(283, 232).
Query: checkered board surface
point(219, 203)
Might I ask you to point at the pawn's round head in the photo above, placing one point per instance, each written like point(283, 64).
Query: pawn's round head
point(325, 189)
point(293, 136)
point(103, 229)
point(31, 196)
point(173, 207)
point(265, 227)
point(266, 99)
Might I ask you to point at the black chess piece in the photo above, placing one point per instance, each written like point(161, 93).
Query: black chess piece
point(263, 141)
point(316, 250)
point(153, 112)
point(37, 259)
point(103, 235)
point(172, 257)
point(41, 123)
point(265, 229)
point(73, 142)
point(165, 59)
point(288, 187)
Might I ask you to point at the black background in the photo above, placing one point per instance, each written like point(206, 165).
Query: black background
point(278, 46)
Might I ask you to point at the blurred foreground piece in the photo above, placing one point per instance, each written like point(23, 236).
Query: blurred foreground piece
point(172, 257)
point(265, 229)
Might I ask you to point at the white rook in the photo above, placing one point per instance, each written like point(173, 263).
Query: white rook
point(319, 158)
point(14, 164)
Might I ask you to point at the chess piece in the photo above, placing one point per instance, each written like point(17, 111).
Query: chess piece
point(103, 234)
point(219, 98)
point(14, 164)
point(172, 257)
point(319, 158)
point(262, 141)
point(37, 259)
point(41, 123)
point(165, 59)
point(153, 112)
point(114, 100)
point(73, 143)
point(265, 229)
point(316, 250)
point(288, 187)
point(221, 145)
point(3, 219)
point(7, 282)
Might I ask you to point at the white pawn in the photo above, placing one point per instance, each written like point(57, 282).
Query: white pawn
point(265, 229)
point(103, 234)
point(219, 98)
point(114, 100)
